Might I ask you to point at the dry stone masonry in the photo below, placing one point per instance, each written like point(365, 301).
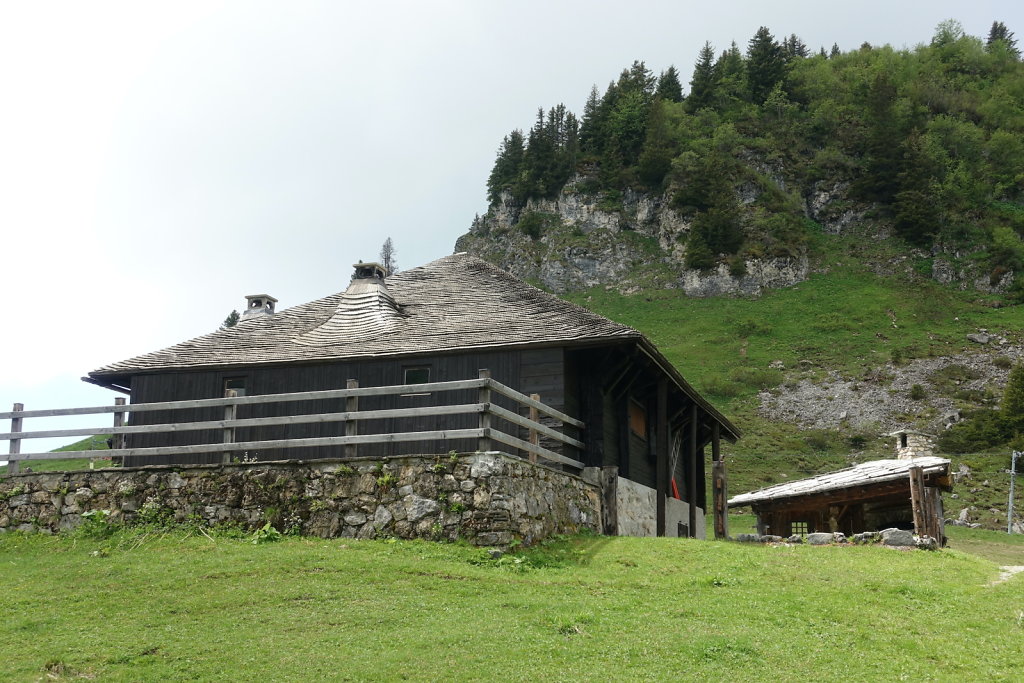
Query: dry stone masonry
point(484, 498)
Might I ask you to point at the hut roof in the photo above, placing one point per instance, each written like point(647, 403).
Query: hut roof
point(873, 472)
point(455, 303)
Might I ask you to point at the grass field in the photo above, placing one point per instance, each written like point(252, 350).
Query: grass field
point(148, 605)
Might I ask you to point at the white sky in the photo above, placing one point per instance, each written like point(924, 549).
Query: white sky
point(158, 161)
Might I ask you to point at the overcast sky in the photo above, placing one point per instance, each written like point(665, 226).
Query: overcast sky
point(158, 161)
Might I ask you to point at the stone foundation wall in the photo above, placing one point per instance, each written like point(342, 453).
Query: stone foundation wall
point(485, 498)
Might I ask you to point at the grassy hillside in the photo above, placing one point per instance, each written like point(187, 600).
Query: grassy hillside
point(89, 443)
point(845, 319)
point(151, 605)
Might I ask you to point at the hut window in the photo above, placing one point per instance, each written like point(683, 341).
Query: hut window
point(798, 528)
point(417, 375)
point(236, 383)
point(637, 419)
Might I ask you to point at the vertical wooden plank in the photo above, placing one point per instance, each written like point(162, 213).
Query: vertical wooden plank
point(118, 440)
point(351, 426)
point(534, 417)
point(916, 502)
point(12, 463)
point(661, 454)
point(229, 432)
point(719, 497)
point(691, 467)
point(484, 396)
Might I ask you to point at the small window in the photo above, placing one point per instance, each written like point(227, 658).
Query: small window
point(798, 528)
point(418, 375)
point(637, 419)
point(903, 440)
point(235, 383)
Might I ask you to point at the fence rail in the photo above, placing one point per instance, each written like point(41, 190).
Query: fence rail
point(485, 433)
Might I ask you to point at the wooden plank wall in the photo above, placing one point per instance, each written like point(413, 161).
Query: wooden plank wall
point(504, 366)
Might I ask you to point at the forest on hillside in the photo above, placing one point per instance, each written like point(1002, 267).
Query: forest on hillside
point(930, 138)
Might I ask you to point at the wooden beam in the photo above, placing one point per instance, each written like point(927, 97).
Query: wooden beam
point(351, 426)
point(15, 449)
point(526, 400)
point(397, 437)
point(230, 412)
point(534, 434)
point(510, 440)
point(917, 501)
point(661, 455)
point(484, 396)
point(691, 484)
point(424, 411)
point(259, 399)
point(719, 496)
point(518, 419)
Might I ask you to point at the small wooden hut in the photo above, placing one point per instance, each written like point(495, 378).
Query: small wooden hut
point(901, 493)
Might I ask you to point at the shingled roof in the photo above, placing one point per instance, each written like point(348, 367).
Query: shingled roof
point(459, 302)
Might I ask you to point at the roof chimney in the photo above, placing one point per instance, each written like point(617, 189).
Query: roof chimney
point(257, 305)
point(368, 271)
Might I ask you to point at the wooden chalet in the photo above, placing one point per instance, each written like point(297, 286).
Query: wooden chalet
point(446, 321)
point(901, 493)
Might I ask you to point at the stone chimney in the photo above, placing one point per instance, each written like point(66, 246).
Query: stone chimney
point(257, 305)
point(910, 445)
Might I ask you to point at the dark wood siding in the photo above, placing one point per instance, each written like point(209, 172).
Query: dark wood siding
point(505, 367)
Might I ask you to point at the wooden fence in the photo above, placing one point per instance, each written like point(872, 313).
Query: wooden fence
point(486, 434)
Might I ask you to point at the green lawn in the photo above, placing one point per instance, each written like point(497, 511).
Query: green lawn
point(166, 605)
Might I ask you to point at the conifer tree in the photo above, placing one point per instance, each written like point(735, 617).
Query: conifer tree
point(1012, 406)
point(794, 48)
point(702, 85)
point(387, 257)
point(669, 88)
point(766, 64)
point(231, 320)
point(834, 52)
point(999, 34)
point(507, 167)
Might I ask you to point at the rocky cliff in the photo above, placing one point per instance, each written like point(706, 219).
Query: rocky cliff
point(579, 240)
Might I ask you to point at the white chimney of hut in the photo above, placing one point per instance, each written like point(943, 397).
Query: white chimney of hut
point(910, 445)
point(258, 305)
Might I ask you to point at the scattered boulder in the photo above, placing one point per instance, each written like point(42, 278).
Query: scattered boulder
point(979, 338)
point(795, 538)
point(927, 543)
point(866, 537)
point(899, 538)
point(820, 538)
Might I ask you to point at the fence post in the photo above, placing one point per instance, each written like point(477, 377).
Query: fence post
point(484, 396)
point(116, 440)
point(12, 464)
point(534, 417)
point(351, 426)
point(229, 432)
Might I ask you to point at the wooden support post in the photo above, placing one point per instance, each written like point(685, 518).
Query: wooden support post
point(534, 417)
point(661, 454)
point(351, 426)
point(118, 440)
point(691, 470)
point(12, 464)
point(484, 396)
point(230, 411)
point(719, 496)
point(917, 500)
